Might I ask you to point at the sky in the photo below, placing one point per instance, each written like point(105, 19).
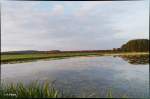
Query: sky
point(72, 25)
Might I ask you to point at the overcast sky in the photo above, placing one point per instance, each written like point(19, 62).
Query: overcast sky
point(68, 25)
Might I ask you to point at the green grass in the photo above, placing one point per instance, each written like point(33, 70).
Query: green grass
point(30, 57)
point(110, 95)
point(33, 90)
point(36, 90)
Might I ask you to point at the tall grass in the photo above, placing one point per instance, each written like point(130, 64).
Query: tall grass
point(33, 90)
point(110, 95)
point(37, 90)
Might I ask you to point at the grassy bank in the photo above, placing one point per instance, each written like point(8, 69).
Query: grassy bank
point(30, 57)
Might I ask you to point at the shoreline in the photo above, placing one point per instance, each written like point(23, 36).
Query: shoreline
point(70, 55)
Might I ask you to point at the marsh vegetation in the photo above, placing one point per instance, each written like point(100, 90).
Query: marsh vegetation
point(37, 90)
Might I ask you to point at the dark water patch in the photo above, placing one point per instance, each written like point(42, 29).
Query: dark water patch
point(136, 59)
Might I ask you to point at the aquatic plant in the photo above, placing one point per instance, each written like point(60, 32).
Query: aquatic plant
point(33, 90)
point(37, 90)
point(110, 95)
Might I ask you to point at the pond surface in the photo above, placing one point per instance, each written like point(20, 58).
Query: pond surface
point(84, 76)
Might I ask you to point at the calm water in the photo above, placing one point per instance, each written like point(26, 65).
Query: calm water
point(85, 76)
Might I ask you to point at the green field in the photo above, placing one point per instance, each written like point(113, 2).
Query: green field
point(30, 57)
point(9, 58)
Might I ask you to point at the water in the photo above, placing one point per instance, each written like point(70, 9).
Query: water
point(84, 76)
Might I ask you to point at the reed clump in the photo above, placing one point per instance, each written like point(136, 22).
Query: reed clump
point(33, 90)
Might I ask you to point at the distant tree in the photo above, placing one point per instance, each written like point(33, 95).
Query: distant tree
point(137, 45)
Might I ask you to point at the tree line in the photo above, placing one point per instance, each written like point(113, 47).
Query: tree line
point(136, 45)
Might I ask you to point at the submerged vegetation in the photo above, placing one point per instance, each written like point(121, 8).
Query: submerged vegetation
point(136, 59)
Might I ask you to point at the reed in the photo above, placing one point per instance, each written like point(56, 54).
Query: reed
point(33, 90)
point(37, 90)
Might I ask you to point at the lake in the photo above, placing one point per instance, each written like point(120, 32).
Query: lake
point(85, 76)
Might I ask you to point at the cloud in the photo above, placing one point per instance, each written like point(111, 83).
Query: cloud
point(133, 22)
point(72, 25)
point(87, 7)
point(57, 10)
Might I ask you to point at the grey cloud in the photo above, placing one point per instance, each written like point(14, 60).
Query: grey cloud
point(28, 28)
